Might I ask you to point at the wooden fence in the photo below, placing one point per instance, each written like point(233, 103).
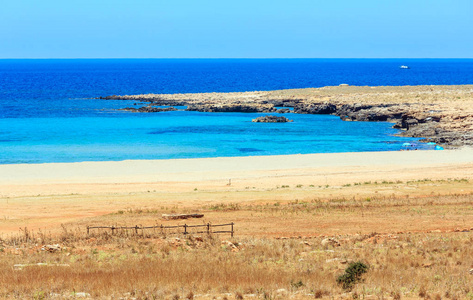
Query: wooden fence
point(206, 228)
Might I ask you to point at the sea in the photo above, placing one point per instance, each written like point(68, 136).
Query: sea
point(50, 111)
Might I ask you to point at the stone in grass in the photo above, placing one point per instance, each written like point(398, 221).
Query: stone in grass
point(271, 119)
point(330, 242)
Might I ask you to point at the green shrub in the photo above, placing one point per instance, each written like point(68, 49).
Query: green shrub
point(297, 284)
point(352, 275)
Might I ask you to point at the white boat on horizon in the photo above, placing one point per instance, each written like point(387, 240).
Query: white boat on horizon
point(404, 67)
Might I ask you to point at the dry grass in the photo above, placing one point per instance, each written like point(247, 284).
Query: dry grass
point(316, 216)
point(406, 265)
point(430, 265)
point(416, 246)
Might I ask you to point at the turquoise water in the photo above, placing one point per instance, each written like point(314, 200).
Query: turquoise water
point(182, 134)
point(48, 110)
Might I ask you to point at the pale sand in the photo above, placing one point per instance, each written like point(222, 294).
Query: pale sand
point(46, 195)
point(333, 168)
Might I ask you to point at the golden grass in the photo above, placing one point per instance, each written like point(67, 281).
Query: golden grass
point(267, 259)
point(315, 216)
point(104, 265)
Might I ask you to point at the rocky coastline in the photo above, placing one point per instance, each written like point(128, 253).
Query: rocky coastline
point(440, 114)
point(148, 109)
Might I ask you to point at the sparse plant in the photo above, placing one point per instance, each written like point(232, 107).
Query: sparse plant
point(352, 275)
point(297, 284)
point(422, 292)
point(396, 295)
point(318, 294)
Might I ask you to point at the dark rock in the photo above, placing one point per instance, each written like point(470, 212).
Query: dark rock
point(148, 109)
point(271, 119)
point(283, 111)
point(409, 123)
point(315, 108)
point(361, 112)
point(244, 108)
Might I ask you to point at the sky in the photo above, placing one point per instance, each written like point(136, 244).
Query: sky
point(236, 29)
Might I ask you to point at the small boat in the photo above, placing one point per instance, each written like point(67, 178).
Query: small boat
point(404, 67)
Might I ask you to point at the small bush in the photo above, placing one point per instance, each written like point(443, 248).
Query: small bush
point(396, 295)
point(297, 284)
point(422, 292)
point(352, 275)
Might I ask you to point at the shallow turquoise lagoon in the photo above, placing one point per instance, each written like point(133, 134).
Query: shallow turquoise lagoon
point(182, 134)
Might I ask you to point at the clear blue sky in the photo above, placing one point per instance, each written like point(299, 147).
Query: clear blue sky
point(238, 28)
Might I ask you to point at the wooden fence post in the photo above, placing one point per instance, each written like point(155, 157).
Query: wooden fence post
point(136, 227)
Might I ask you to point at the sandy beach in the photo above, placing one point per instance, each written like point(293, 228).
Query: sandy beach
point(335, 167)
point(46, 195)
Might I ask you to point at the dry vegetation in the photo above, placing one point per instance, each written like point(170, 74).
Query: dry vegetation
point(283, 249)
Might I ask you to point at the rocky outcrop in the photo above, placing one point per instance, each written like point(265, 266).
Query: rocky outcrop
point(271, 119)
point(148, 109)
point(433, 133)
point(442, 114)
point(363, 112)
point(283, 111)
point(244, 108)
point(315, 108)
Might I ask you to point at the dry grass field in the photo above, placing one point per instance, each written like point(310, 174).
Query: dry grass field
point(291, 242)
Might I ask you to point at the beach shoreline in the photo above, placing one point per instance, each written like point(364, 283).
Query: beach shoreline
point(47, 195)
point(333, 167)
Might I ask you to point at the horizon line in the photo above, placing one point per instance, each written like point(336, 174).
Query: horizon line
point(105, 58)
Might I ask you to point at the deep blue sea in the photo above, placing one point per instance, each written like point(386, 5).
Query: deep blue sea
point(48, 112)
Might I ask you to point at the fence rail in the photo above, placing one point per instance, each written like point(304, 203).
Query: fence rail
point(208, 228)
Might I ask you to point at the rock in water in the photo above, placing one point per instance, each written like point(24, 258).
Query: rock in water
point(271, 119)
